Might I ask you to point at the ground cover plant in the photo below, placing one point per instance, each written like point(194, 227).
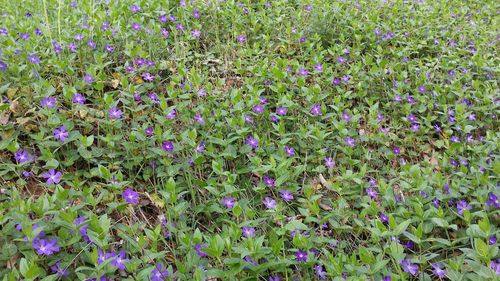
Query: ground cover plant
point(251, 140)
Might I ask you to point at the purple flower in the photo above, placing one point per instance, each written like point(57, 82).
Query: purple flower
point(492, 200)
point(269, 202)
point(135, 26)
point(303, 72)
point(412, 118)
point(275, 278)
point(115, 113)
point(196, 33)
point(60, 133)
point(281, 110)
point(130, 196)
point(316, 109)
point(105, 26)
point(202, 92)
point(422, 89)
point(3, 66)
point(48, 102)
point(462, 205)
point(103, 256)
point(495, 266)
point(34, 59)
point(22, 156)
point(258, 108)
point(242, 39)
point(372, 193)
point(329, 163)
point(387, 278)
point(52, 176)
point(318, 67)
point(438, 270)
point(196, 14)
point(252, 142)
point(119, 260)
point(179, 26)
point(82, 228)
point(396, 150)
point(229, 202)
point(301, 256)
point(341, 60)
point(286, 195)
point(92, 44)
point(346, 116)
point(335, 81)
point(135, 9)
point(45, 246)
point(492, 240)
point(289, 151)
point(320, 272)
point(158, 274)
point(268, 181)
point(79, 98)
point(248, 231)
point(167, 146)
point(57, 269)
point(383, 218)
point(409, 267)
point(88, 79)
point(198, 247)
point(455, 139)
point(172, 114)
point(350, 141)
point(148, 77)
point(149, 131)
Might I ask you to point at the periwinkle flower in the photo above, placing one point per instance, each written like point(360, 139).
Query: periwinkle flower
point(492, 240)
point(383, 218)
point(372, 193)
point(248, 119)
point(135, 9)
point(198, 247)
point(136, 26)
point(172, 114)
point(60, 271)
point(3, 66)
point(34, 59)
point(422, 89)
point(346, 116)
point(316, 110)
point(252, 142)
point(341, 60)
point(438, 270)
point(130, 196)
point(199, 118)
point(115, 113)
point(88, 79)
point(48, 102)
point(269, 202)
point(196, 33)
point(158, 273)
point(60, 133)
point(119, 260)
point(318, 269)
point(329, 163)
point(167, 146)
point(148, 131)
point(248, 231)
point(242, 39)
point(301, 256)
point(303, 72)
point(462, 205)
point(79, 98)
point(281, 110)
point(350, 141)
point(269, 182)
point(22, 156)
point(492, 200)
point(229, 202)
point(45, 246)
point(286, 195)
point(318, 67)
point(409, 267)
point(52, 176)
point(258, 108)
point(290, 151)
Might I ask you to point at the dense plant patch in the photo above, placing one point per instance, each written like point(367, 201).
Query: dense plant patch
point(252, 140)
